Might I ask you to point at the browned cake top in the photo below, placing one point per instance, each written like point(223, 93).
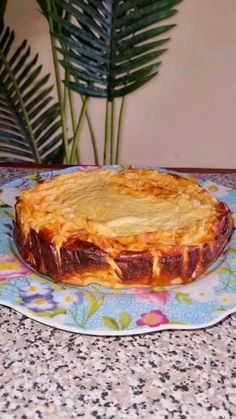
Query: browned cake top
point(119, 210)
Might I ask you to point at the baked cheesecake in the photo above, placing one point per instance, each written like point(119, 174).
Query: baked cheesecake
point(119, 229)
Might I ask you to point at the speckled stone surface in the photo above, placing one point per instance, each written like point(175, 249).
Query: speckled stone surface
point(48, 373)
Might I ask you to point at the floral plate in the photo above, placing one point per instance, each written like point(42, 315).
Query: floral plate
point(97, 310)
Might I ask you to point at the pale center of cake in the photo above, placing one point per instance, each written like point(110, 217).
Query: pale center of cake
point(120, 208)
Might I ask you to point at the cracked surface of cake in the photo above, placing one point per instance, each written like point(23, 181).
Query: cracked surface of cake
point(120, 229)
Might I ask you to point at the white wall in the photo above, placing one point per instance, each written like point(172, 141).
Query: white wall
point(187, 115)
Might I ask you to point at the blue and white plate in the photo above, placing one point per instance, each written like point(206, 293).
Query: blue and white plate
point(96, 310)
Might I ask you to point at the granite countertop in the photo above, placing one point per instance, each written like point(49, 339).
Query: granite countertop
point(49, 373)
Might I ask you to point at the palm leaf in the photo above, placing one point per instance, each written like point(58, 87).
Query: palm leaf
point(30, 128)
point(43, 4)
point(110, 47)
point(3, 5)
point(44, 8)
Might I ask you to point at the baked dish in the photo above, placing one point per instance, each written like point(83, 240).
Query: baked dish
point(120, 229)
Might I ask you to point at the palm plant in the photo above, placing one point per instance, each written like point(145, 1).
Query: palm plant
point(101, 48)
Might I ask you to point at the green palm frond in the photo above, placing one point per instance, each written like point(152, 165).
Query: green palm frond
point(3, 5)
point(46, 5)
point(30, 126)
point(43, 6)
point(113, 46)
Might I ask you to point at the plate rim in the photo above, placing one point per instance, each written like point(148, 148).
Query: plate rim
point(136, 330)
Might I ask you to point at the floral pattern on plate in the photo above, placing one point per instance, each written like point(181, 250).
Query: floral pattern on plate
point(100, 311)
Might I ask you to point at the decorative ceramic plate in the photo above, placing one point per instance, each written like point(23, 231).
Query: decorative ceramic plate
point(97, 310)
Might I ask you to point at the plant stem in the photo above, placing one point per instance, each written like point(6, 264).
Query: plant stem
point(65, 99)
point(22, 105)
point(120, 126)
point(92, 134)
point(67, 90)
point(72, 110)
point(73, 118)
point(68, 95)
point(91, 130)
point(58, 84)
point(78, 132)
point(112, 131)
point(107, 132)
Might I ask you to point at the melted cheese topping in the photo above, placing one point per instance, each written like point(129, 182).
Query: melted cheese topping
point(116, 204)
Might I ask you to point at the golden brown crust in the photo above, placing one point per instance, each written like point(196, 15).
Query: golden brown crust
point(125, 261)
